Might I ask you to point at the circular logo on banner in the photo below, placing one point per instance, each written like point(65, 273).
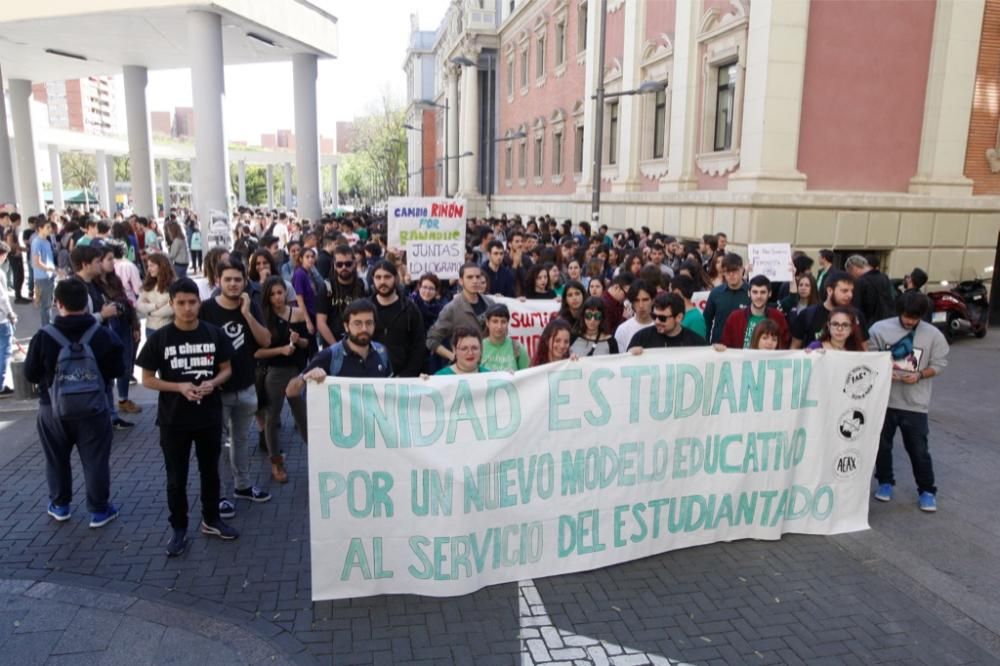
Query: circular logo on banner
point(860, 382)
point(847, 463)
point(850, 424)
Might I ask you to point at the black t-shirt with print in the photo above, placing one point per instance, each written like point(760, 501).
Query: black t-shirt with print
point(187, 356)
point(244, 344)
point(650, 338)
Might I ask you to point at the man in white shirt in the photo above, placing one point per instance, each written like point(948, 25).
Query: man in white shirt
point(641, 296)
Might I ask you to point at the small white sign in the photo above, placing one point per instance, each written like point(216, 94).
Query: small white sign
point(773, 260)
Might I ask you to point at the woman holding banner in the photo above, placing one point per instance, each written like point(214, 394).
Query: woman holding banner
point(467, 344)
point(590, 336)
point(841, 333)
point(554, 343)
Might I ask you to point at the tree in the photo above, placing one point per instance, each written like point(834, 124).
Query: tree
point(380, 146)
point(256, 183)
point(79, 171)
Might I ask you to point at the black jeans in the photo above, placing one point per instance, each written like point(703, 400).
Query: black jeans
point(176, 446)
point(914, 428)
point(17, 269)
point(92, 438)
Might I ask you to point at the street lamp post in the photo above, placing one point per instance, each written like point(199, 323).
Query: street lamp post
point(432, 103)
point(599, 97)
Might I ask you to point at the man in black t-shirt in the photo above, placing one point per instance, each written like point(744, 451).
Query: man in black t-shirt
point(188, 361)
point(345, 287)
point(240, 319)
point(398, 323)
point(666, 331)
point(810, 323)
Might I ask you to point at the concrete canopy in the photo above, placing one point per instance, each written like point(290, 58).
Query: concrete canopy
point(108, 34)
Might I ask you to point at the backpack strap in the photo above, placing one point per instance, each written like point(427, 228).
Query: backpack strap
point(336, 359)
point(56, 335)
point(383, 354)
point(89, 334)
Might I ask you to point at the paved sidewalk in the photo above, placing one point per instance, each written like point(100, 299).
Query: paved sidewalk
point(60, 624)
point(915, 589)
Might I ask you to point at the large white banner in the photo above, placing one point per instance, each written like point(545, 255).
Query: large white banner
point(443, 486)
point(528, 319)
point(432, 231)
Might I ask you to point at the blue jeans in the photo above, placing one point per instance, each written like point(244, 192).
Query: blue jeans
point(47, 288)
point(914, 428)
point(181, 270)
point(92, 439)
point(6, 333)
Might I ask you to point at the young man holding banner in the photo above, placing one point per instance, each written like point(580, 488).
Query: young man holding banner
point(667, 331)
point(500, 352)
point(468, 308)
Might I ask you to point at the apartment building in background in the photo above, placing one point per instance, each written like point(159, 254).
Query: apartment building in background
point(81, 105)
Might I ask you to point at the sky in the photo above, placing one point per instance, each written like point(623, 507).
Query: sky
point(373, 36)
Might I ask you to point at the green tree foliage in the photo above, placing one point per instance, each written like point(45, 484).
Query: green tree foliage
point(79, 170)
point(379, 147)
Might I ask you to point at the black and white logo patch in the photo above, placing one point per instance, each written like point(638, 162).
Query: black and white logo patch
point(847, 463)
point(850, 424)
point(860, 382)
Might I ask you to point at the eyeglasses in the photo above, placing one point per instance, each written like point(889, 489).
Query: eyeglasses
point(663, 318)
point(840, 324)
point(593, 315)
point(344, 264)
point(465, 349)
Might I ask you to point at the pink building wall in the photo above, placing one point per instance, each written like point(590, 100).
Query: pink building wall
point(561, 92)
point(863, 100)
point(660, 19)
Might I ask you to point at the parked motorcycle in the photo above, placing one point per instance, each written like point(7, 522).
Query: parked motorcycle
point(964, 308)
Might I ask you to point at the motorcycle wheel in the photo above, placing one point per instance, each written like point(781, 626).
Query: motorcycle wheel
point(981, 332)
point(949, 332)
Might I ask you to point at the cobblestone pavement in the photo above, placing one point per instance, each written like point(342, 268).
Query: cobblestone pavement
point(916, 588)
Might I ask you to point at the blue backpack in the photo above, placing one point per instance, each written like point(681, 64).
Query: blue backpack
point(78, 389)
point(337, 357)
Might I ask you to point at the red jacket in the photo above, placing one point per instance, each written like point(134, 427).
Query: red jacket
point(735, 329)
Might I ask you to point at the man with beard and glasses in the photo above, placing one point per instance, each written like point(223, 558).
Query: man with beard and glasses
point(355, 356)
point(345, 288)
point(399, 324)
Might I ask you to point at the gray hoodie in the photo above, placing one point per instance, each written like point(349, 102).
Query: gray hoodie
point(930, 349)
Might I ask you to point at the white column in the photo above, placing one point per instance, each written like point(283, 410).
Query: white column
point(165, 184)
point(8, 194)
point(289, 203)
point(772, 101)
point(452, 143)
point(630, 117)
point(591, 81)
point(103, 187)
point(948, 105)
point(241, 174)
point(55, 167)
point(24, 142)
point(684, 100)
point(467, 166)
point(194, 187)
point(109, 164)
point(140, 145)
point(270, 187)
point(208, 91)
point(306, 136)
point(334, 185)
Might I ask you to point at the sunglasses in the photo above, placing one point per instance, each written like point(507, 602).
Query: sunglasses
point(593, 315)
point(663, 318)
point(344, 264)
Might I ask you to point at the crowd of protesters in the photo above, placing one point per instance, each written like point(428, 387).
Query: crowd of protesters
point(234, 331)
